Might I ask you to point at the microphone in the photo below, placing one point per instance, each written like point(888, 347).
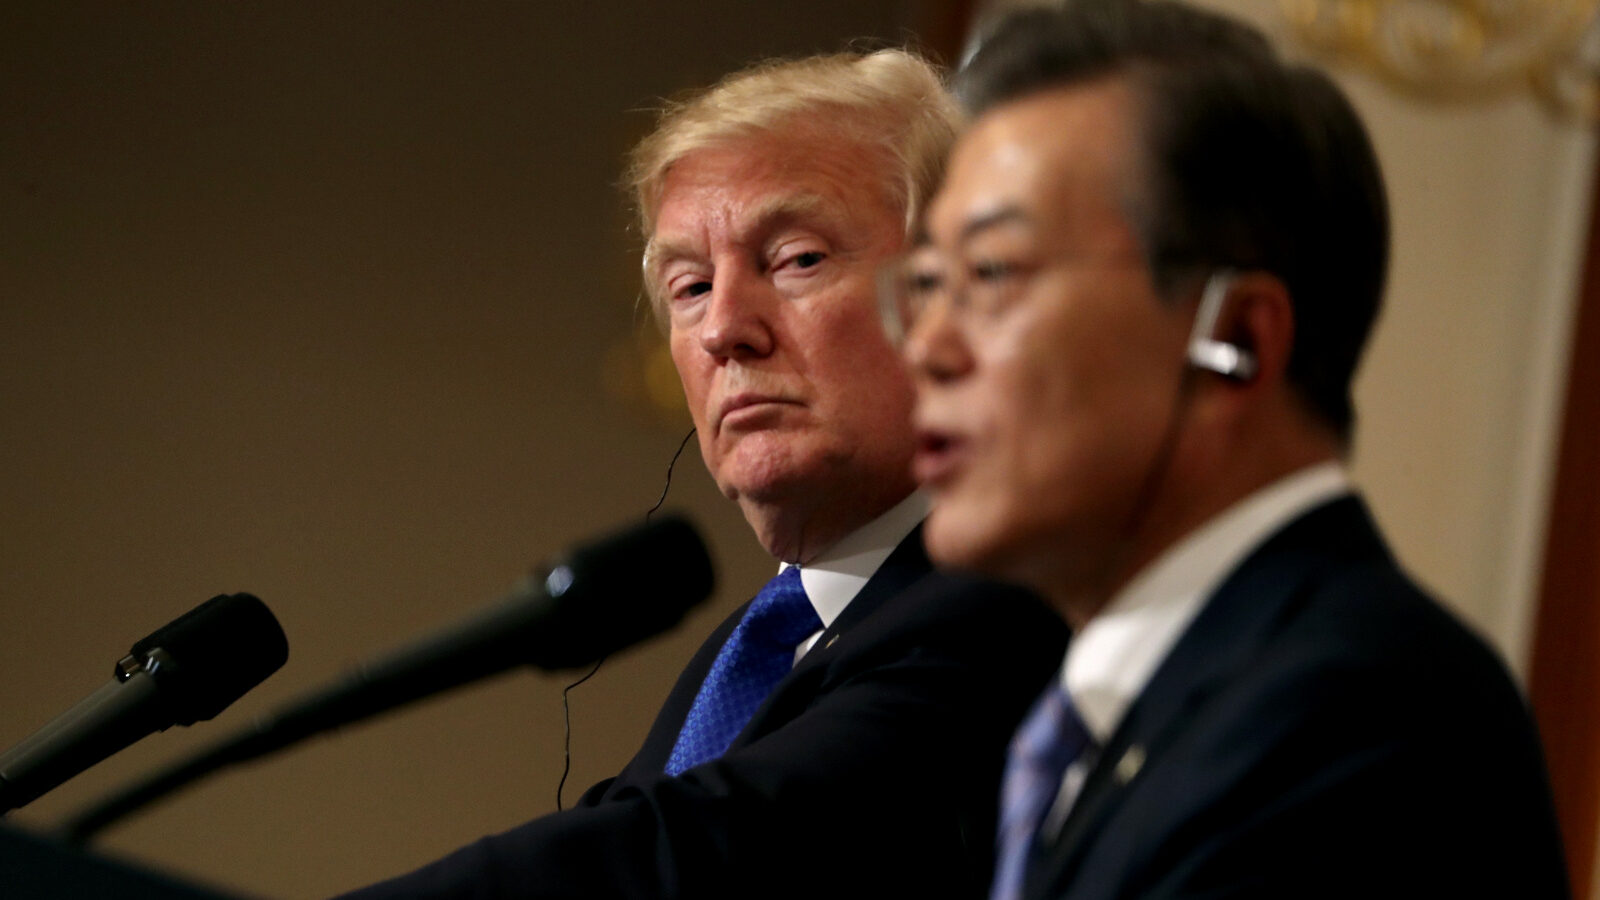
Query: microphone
point(602, 597)
point(605, 596)
point(182, 673)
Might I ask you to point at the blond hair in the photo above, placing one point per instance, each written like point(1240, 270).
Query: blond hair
point(890, 100)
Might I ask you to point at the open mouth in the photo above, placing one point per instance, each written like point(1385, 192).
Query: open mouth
point(937, 457)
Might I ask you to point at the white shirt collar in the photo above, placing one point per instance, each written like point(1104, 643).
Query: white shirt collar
point(1111, 659)
point(834, 578)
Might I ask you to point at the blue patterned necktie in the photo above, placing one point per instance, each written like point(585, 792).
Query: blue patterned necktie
point(1051, 737)
point(755, 658)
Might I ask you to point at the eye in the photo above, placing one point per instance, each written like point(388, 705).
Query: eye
point(797, 262)
point(992, 270)
point(687, 287)
point(797, 256)
point(924, 282)
point(684, 293)
point(919, 285)
point(991, 282)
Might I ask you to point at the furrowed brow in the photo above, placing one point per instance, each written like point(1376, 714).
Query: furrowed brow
point(994, 219)
point(779, 211)
point(657, 254)
point(766, 217)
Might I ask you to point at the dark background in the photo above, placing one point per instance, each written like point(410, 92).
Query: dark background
point(336, 303)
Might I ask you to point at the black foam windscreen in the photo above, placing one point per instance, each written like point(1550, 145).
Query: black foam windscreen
point(213, 654)
point(616, 592)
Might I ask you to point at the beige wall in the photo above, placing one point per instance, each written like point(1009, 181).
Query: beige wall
point(313, 303)
point(1461, 390)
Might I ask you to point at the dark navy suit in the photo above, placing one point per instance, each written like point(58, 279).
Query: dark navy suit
point(1321, 729)
point(871, 771)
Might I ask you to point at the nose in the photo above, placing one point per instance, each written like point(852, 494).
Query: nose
point(737, 322)
point(935, 350)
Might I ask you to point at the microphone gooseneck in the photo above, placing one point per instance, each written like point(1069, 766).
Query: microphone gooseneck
point(185, 672)
point(603, 597)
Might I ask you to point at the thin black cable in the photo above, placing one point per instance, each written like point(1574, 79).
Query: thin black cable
point(1155, 474)
point(1161, 463)
point(566, 718)
point(668, 486)
point(566, 706)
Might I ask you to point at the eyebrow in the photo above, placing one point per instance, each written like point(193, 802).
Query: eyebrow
point(656, 254)
point(992, 219)
point(767, 216)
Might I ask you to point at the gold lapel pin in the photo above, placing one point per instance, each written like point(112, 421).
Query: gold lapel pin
point(1129, 765)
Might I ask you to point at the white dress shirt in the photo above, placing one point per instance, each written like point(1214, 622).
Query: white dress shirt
point(1109, 661)
point(834, 578)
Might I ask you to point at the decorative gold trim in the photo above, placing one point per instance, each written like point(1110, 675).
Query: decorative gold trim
point(1452, 50)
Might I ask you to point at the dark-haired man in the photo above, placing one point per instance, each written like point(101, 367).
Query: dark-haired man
point(1150, 273)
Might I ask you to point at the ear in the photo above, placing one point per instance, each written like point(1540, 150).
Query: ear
point(1256, 317)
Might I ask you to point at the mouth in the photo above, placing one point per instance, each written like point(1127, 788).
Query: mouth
point(938, 457)
point(748, 409)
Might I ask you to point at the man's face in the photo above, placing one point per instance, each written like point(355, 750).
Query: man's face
point(1044, 394)
point(765, 255)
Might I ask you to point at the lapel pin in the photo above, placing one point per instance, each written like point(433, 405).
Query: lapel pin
point(830, 642)
point(1129, 765)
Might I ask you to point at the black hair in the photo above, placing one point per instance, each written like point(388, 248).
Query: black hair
point(1251, 163)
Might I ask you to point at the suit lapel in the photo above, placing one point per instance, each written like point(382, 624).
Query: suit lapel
point(651, 760)
point(904, 566)
point(907, 564)
point(1225, 637)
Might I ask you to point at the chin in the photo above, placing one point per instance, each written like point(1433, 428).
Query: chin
point(760, 470)
point(958, 541)
point(990, 540)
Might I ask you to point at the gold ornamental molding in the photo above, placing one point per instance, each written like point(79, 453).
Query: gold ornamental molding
point(1464, 49)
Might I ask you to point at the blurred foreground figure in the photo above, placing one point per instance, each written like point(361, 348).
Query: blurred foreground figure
point(1148, 278)
point(843, 734)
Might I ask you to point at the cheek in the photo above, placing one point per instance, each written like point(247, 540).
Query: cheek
point(695, 377)
point(1034, 399)
point(977, 518)
point(693, 373)
point(1088, 424)
point(1048, 437)
point(865, 376)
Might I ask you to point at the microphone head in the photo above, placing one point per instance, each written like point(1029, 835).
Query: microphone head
point(617, 591)
point(212, 654)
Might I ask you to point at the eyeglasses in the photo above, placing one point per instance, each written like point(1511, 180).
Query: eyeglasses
point(913, 284)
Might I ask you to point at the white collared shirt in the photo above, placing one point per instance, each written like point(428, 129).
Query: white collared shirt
point(834, 578)
point(1109, 661)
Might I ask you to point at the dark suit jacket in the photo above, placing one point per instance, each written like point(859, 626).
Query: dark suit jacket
point(871, 771)
point(1321, 729)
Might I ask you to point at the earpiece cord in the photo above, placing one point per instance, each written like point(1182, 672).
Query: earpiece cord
point(566, 720)
point(668, 485)
point(566, 706)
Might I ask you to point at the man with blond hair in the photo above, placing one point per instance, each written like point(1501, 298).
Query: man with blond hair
point(842, 734)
